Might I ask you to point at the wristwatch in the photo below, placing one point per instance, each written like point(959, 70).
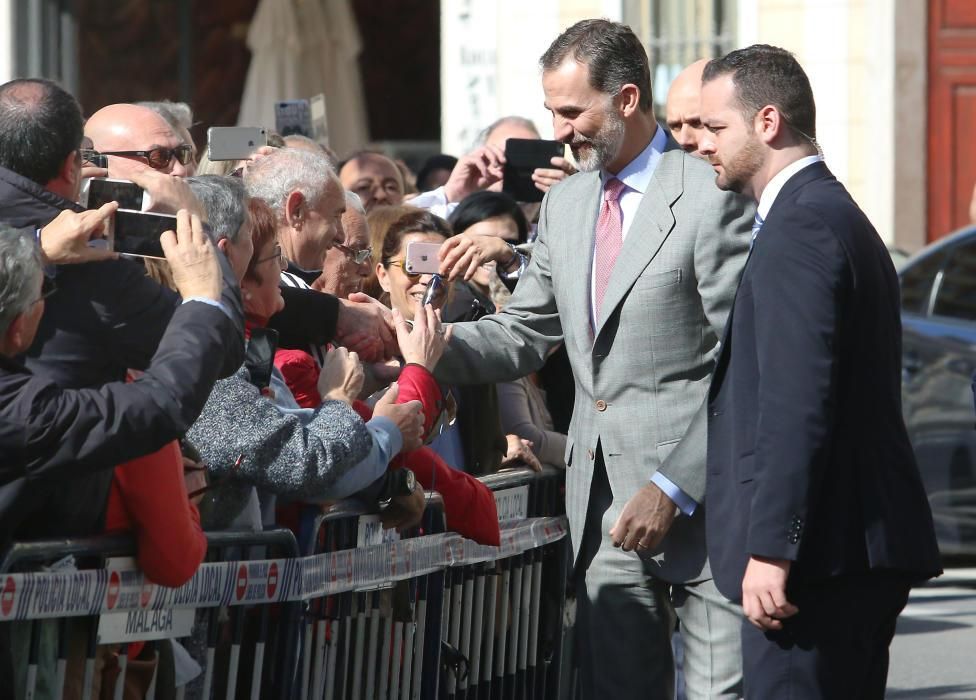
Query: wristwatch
point(399, 482)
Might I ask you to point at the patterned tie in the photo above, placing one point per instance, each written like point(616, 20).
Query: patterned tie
point(609, 237)
point(757, 223)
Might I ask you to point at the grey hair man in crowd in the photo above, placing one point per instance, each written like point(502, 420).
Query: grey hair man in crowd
point(308, 200)
point(349, 261)
point(635, 270)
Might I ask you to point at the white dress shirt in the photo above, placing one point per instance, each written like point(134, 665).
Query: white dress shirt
point(779, 179)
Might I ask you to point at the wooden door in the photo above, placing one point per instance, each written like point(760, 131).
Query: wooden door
point(951, 168)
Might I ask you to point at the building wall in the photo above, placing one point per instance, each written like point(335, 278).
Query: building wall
point(489, 61)
point(866, 60)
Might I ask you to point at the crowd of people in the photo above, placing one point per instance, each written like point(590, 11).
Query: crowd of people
point(697, 323)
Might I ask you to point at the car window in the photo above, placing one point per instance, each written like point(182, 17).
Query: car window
point(956, 297)
point(916, 283)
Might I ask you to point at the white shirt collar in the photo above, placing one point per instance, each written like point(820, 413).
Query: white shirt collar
point(637, 174)
point(776, 184)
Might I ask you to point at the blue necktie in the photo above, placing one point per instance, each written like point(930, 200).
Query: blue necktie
point(757, 223)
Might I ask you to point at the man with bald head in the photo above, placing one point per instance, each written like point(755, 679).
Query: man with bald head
point(682, 112)
point(135, 139)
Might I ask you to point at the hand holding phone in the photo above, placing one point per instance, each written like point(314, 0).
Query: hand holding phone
point(137, 233)
point(98, 191)
point(259, 356)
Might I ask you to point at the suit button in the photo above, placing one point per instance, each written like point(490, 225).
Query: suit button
point(601, 405)
point(589, 453)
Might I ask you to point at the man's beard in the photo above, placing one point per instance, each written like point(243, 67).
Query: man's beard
point(740, 167)
point(600, 150)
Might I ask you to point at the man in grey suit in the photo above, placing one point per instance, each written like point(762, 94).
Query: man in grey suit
point(635, 268)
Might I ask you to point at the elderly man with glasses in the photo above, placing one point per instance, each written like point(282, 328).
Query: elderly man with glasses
point(347, 263)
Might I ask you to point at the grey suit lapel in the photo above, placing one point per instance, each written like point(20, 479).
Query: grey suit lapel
point(651, 226)
point(584, 220)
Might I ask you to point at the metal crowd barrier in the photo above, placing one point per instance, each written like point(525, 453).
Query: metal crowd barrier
point(351, 613)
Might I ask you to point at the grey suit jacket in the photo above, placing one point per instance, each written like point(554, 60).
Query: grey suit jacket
point(642, 375)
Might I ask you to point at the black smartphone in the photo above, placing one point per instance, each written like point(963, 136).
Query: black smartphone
point(522, 157)
point(137, 233)
point(259, 356)
point(100, 190)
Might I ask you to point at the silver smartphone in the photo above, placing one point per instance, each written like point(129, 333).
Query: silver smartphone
point(234, 142)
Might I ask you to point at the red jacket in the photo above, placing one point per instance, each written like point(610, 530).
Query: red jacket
point(469, 505)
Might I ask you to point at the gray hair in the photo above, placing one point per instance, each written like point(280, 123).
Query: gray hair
point(355, 203)
point(278, 174)
point(223, 199)
point(177, 114)
point(513, 119)
point(20, 264)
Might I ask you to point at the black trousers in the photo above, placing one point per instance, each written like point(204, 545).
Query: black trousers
point(837, 645)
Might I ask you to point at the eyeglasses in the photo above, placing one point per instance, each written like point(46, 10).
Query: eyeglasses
point(402, 264)
point(92, 157)
point(277, 255)
point(159, 157)
point(358, 256)
point(48, 287)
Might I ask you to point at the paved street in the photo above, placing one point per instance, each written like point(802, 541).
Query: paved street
point(934, 651)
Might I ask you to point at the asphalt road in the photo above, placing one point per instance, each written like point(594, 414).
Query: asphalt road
point(933, 654)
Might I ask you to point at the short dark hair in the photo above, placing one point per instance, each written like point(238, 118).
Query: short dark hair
point(611, 51)
point(486, 204)
point(40, 126)
point(768, 75)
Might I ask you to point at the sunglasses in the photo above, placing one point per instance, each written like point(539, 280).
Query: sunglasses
point(358, 256)
point(402, 264)
point(159, 157)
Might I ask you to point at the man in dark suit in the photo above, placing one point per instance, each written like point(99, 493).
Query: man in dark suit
point(816, 516)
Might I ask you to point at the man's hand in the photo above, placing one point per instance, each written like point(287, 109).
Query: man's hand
point(764, 593)
point(646, 519)
point(409, 417)
point(463, 254)
point(64, 241)
point(474, 171)
point(366, 326)
point(520, 450)
point(341, 378)
point(404, 511)
point(425, 343)
point(262, 151)
point(168, 193)
point(90, 171)
point(544, 178)
point(192, 258)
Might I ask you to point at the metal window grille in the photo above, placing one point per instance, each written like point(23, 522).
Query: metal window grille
point(679, 32)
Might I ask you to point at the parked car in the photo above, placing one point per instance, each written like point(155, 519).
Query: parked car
point(938, 295)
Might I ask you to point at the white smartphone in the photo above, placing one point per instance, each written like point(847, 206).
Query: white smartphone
point(234, 142)
point(422, 258)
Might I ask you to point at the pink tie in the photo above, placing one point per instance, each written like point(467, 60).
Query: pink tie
point(609, 237)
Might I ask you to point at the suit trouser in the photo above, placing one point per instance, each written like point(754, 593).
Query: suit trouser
point(625, 617)
point(837, 645)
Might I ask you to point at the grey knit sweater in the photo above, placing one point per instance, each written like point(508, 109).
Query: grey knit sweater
point(278, 451)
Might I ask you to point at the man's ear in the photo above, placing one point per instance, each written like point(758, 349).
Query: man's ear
point(68, 175)
point(295, 209)
point(769, 124)
point(14, 340)
point(629, 99)
point(222, 245)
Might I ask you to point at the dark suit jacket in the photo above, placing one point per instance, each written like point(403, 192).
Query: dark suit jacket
point(52, 439)
point(105, 318)
point(808, 456)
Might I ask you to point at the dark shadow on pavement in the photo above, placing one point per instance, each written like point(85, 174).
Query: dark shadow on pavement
point(938, 691)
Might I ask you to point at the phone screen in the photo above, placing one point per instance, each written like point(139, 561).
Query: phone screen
point(101, 191)
point(522, 157)
point(137, 233)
